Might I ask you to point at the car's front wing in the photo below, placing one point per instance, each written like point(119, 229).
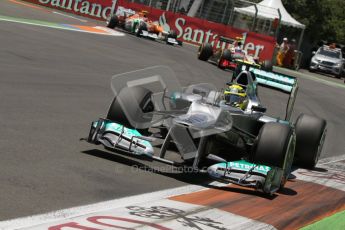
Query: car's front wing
point(263, 178)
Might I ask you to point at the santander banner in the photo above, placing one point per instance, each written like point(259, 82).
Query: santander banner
point(188, 29)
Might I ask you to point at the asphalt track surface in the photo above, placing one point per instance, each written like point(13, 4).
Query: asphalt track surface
point(53, 83)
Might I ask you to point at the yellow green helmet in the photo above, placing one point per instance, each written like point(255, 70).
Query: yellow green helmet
point(236, 96)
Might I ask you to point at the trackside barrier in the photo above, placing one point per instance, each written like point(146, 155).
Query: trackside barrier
point(190, 30)
point(96, 9)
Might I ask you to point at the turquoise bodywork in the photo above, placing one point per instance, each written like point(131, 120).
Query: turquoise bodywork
point(275, 80)
point(245, 166)
point(109, 126)
point(269, 181)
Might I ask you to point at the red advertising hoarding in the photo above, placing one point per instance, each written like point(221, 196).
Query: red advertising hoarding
point(188, 29)
point(97, 9)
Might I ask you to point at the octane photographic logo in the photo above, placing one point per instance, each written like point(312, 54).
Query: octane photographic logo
point(90, 8)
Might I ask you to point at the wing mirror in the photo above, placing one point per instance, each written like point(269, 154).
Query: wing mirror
point(257, 108)
point(313, 53)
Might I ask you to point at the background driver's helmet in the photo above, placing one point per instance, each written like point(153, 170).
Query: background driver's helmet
point(144, 13)
point(235, 96)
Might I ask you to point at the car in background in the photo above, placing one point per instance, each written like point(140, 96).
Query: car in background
point(231, 56)
point(328, 60)
point(139, 24)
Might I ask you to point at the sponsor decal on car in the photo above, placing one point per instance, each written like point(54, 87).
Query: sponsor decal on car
point(245, 166)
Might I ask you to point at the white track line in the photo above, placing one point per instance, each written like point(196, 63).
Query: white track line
point(330, 160)
point(107, 31)
point(60, 215)
point(69, 16)
point(332, 174)
point(200, 217)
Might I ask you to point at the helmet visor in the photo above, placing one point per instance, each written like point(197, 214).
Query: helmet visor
point(233, 98)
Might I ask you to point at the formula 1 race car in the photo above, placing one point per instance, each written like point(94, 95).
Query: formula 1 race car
point(228, 58)
point(223, 133)
point(138, 24)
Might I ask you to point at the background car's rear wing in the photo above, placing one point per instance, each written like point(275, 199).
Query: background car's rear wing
point(122, 11)
point(226, 40)
point(282, 82)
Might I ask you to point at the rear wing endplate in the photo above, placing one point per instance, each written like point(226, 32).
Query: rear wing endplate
point(285, 83)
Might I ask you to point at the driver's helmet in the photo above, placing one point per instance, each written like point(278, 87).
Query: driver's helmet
point(143, 13)
point(235, 96)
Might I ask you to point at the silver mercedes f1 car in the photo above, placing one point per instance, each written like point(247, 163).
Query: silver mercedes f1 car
point(224, 133)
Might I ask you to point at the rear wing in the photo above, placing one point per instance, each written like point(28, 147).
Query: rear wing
point(285, 83)
point(226, 40)
point(275, 80)
point(122, 11)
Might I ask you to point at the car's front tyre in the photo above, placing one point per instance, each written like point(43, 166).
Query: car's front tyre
point(124, 110)
point(275, 147)
point(267, 65)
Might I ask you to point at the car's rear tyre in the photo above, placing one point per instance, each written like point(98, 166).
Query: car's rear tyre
point(172, 34)
point(275, 146)
point(310, 137)
point(267, 65)
point(112, 21)
point(205, 51)
point(143, 99)
point(225, 55)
